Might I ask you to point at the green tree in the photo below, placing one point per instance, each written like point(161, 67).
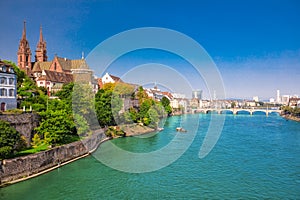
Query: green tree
point(166, 104)
point(233, 104)
point(66, 92)
point(103, 108)
point(9, 139)
point(141, 95)
point(83, 103)
point(153, 117)
point(107, 106)
point(143, 110)
point(59, 125)
point(36, 141)
point(82, 125)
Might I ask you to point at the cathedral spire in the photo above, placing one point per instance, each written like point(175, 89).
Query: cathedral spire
point(24, 52)
point(41, 49)
point(24, 31)
point(41, 35)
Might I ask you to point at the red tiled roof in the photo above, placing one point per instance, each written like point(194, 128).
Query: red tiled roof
point(58, 77)
point(115, 78)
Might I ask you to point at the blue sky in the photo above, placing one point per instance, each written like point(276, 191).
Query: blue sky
point(255, 44)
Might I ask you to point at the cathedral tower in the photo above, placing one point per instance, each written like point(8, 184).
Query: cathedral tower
point(24, 52)
point(41, 51)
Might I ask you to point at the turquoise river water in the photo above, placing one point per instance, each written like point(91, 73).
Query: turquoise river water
point(256, 157)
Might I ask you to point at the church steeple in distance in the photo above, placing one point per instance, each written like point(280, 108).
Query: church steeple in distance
point(41, 49)
point(24, 52)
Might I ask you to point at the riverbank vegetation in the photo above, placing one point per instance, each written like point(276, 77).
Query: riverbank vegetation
point(77, 111)
point(292, 113)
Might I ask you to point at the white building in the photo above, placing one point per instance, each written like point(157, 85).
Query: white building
point(278, 100)
point(285, 99)
point(197, 94)
point(255, 98)
point(8, 87)
point(108, 78)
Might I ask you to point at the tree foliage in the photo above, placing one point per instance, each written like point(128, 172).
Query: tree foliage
point(166, 104)
point(59, 125)
point(9, 139)
point(291, 111)
point(107, 105)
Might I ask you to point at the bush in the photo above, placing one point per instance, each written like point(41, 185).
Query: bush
point(9, 139)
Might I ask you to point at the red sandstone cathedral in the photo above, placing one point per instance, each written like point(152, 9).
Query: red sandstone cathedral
point(51, 74)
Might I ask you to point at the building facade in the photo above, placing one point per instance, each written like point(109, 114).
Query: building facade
point(8, 87)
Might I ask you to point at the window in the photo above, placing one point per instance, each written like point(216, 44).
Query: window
point(20, 58)
point(26, 59)
point(11, 81)
point(11, 92)
point(3, 92)
point(11, 70)
point(54, 66)
point(41, 83)
point(3, 80)
point(4, 68)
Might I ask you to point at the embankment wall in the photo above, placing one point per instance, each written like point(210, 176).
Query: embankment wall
point(26, 166)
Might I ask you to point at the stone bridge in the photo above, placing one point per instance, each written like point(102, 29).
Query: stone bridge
point(235, 110)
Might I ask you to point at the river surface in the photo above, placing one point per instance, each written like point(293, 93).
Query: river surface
point(256, 157)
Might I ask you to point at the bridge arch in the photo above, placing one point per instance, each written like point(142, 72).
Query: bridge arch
point(226, 111)
point(259, 112)
point(243, 111)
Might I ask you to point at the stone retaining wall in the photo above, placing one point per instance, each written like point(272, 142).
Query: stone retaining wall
point(20, 167)
point(23, 123)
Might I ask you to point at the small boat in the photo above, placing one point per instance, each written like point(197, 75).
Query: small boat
point(180, 129)
point(160, 129)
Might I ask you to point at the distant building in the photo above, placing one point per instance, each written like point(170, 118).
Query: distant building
point(8, 87)
point(278, 100)
point(294, 102)
point(156, 94)
point(108, 78)
point(194, 103)
point(255, 98)
point(285, 99)
point(197, 94)
point(272, 100)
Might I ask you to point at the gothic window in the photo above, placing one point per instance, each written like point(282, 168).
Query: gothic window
point(26, 59)
point(11, 70)
point(20, 58)
point(55, 66)
point(4, 68)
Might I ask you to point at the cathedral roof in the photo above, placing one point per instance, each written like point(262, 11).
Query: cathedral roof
point(57, 77)
point(65, 63)
point(68, 64)
point(40, 66)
